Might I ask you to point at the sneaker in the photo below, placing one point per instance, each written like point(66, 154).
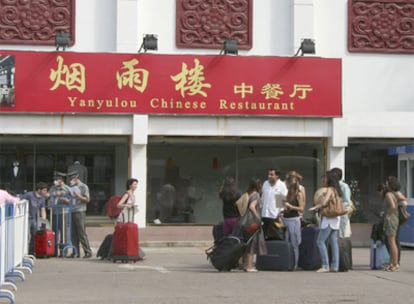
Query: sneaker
point(322, 270)
point(87, 255)
point(157, 221)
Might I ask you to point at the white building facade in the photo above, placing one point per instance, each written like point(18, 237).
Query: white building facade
point(195, 153)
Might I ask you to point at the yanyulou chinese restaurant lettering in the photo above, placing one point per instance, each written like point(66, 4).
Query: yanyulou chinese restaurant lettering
point(66, 82)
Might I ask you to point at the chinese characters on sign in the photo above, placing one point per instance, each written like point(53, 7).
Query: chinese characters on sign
point(70, 76)
point(184, 84)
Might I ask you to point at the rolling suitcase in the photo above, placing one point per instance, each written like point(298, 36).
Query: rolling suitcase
point(105, 250)
point(226, 253)
point(44, 244)
point(125, 246)
point(280, 256)
point(309, 255)
point(377, 256)
point(345, 254)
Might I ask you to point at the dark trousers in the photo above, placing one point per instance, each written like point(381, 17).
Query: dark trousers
point(33, 228)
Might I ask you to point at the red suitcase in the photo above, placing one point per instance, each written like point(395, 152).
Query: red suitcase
point(125, 242)
point(44, 243)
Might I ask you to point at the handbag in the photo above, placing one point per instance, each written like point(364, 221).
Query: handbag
point(352, 208)
point(276, 231)
point(247, 225)
point(242, 203)
point(335, 207)
point(403, 214)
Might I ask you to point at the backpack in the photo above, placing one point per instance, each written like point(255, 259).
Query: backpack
point(111, 206)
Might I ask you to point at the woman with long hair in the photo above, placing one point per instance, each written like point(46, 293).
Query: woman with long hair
point(257, 245)
point(294, 206)
point(329, 226)
point(229, 195)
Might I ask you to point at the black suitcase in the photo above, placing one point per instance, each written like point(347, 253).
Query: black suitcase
point(226, 253)
point(345, 254)
point(280, 256)
point(105, 250)
point(309, 254)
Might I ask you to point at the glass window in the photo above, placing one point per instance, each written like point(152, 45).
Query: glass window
point(367, 164)
point(185, 174)
point(402, 176)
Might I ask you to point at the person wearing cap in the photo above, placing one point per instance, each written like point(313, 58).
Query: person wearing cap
point(59, 195)
point(80, 194)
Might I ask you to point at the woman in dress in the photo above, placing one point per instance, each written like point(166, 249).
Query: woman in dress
point(391, 221)
point(294, 206)
point(257, 244)
point(329, 226)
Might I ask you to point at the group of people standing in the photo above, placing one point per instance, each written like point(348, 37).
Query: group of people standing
point(77, 194)
point(264, 203)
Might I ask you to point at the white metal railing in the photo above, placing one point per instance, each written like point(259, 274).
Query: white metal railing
point(14, 232)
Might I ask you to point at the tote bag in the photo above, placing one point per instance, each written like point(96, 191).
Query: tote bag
point(335, 207)
point(247, 225)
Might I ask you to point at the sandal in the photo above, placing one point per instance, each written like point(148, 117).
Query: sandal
point(250, 270)
point(393, 269)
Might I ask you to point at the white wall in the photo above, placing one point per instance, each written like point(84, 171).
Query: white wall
point(371, 82)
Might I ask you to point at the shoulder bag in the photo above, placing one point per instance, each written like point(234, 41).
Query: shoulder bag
point(247, 225)
point(403, 214)
point(242, 203)
point(335, 207)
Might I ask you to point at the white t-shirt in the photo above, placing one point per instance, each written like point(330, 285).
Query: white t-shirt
point(333, 222)
point(269, 192)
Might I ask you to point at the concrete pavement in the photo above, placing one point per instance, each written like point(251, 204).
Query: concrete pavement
point(183, 275)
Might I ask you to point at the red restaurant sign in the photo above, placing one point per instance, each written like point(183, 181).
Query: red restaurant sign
point(66, 82)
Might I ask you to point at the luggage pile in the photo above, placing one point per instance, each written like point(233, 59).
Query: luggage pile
point(227, 251)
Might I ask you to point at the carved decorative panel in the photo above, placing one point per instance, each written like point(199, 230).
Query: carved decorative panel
point(36, 22)
point(385, 26)
point(207, 23)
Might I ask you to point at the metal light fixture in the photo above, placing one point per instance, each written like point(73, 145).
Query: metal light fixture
point(62, 40)
point(230, 47)
point(149, 42)
point(307, 46)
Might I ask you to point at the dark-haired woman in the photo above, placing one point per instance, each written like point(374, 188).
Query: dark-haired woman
point(127, 201)
point(391, 222)
point(229, 195)
point(329, 226)
point(257, 245)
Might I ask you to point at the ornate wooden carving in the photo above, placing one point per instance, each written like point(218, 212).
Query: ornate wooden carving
point(385, 26)
point(207, 23)
point(35, 22)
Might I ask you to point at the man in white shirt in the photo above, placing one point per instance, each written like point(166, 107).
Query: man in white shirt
point(272, 187)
